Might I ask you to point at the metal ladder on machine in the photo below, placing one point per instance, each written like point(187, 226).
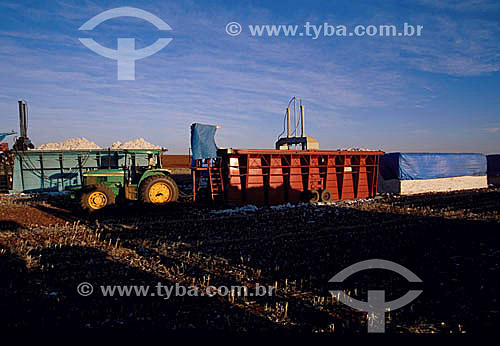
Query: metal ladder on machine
point(215, 181)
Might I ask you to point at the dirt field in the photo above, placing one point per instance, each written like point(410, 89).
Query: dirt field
point(449, 240)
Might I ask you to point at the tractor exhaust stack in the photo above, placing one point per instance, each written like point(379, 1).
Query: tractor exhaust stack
point(23, 142)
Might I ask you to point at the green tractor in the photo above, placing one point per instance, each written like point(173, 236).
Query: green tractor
point(148, 184)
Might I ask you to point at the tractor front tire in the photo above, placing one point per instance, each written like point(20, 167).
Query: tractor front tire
point(96, 197)
point(158, 190)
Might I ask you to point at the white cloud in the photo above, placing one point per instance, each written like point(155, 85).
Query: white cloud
point(463, 5)
point(242, 83)
point(421, 132)
point(492, 129)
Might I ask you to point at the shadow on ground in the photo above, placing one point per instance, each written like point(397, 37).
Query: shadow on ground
point(457, 259)
point(47, 297)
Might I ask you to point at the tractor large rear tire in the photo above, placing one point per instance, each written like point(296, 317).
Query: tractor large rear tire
point(96, 197)
point(158, 190)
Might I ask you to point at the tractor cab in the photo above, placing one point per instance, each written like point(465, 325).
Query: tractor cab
point(127, 175)
point(136, 171)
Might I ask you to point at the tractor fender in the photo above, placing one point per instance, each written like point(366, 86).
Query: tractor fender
point(157, 171)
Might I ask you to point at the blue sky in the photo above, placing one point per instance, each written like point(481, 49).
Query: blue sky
point(438, 92)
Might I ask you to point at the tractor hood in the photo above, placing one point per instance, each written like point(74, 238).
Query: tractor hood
point(105, 172)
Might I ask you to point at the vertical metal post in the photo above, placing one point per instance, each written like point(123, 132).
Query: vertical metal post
point(303, 127)
point(288, 122)
point(21, 119)
point(125, 172)
point(42, 173)
point(209, 164)
point(22, 171)
point(25, 122)
point(80, 171)
point(61, 166)
point(294, 116)
point(193, 175)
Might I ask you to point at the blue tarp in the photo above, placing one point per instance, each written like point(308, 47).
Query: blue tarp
point(414, 166)
point(493, 165)
point(5, 134)
point(203, 141)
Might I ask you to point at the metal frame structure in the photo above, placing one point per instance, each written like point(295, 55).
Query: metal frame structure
point(57, 170)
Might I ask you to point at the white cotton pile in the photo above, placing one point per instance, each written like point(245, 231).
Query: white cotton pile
point(84, 143)
point(70, 144)
point(357, 149)
point(138, 143)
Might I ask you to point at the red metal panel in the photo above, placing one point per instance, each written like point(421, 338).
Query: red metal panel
point(276, 193)
point(363, 191)
point(276, 176)
point(331, 178)
point(295, 187)
point(314, 179)
point(347, 182)
point(234, 193)
point(255, 180)
point(303, 152)
point(175, 161)
point(375, 175)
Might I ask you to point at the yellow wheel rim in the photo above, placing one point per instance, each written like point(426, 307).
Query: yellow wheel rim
point(98, 200)
point(159, 193)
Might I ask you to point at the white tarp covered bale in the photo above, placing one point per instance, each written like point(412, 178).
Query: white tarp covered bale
point(412, 173)
point(411, 187)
